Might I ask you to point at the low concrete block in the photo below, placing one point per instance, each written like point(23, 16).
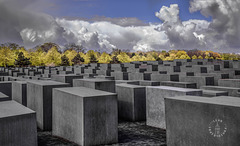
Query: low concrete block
point(202, 121)
point(179, 84)
point(214, 93)
point(66, 78)
point(149, 83)
point(229, 83)
point(17, 125)
point(127, 82)
point(98, 84)
point(165, 77)
point(231, 90)
point(19, 92)
point(85, 116)
point(39, 99)
point(131, 102)
point(199, 80)
point(155, 102)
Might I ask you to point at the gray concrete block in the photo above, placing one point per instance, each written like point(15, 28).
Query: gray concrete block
point(39, 99)
point(165, 77)
point(98, 84)
point(149, 83)
point(85, 116)
point(139, 76)
point(131, 102)
point(202, 121)
point(120, 75)
point(17, 125)
point(199, 80)
point(229, 83)
point(127, 82)
point(66, 78)
point(231, 90)
point(213, 93)
point(19, 92)
point(179, 84)
point(155, 102)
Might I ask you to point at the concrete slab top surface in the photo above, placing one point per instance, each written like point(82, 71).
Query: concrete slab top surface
point(221, 87)
point(12, 108)
point(146, 81)
point(70, 75)
point(46, 82)
point(213, 91)
point(126, 81)
point(130, 85)
point(4, 82)
point(21, 82)
point(174, 88)
point(235, 80)
point(177, 82)
point(84, 92)
point(96, 80)
point(219, 100)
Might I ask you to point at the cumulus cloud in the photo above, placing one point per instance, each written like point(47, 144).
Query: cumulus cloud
point(224, 28)
point(181, 35)
point(122, 21)
point(23, 25)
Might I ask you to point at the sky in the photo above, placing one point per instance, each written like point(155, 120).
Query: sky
point(135, 25)
point(142, 9)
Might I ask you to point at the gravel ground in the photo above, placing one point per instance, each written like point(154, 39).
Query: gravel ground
point(129, 134)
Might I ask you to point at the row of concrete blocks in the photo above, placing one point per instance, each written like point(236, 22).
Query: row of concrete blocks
point(40, 97)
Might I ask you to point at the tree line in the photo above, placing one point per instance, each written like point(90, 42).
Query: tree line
point(50, 54)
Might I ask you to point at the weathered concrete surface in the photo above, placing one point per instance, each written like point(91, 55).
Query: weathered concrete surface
point(19, 92)
point(155, 107)
point(39, 99)
point(231, 90)
point(202, 121)
point(199, 80)
point(17, 125)
point(214, 93)
point(165, 77)
point(149, 83)
point(85, 116)
point(179, 84)
point(127, 82)
point(131, 102)
point(98, 84)
point(66, 78)
point(229, 83)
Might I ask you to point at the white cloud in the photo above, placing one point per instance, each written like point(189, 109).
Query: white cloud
point(21, 24)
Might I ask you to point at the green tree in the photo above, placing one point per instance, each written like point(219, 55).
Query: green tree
point(22, 61)
point(77, 59)
point(65, 61)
